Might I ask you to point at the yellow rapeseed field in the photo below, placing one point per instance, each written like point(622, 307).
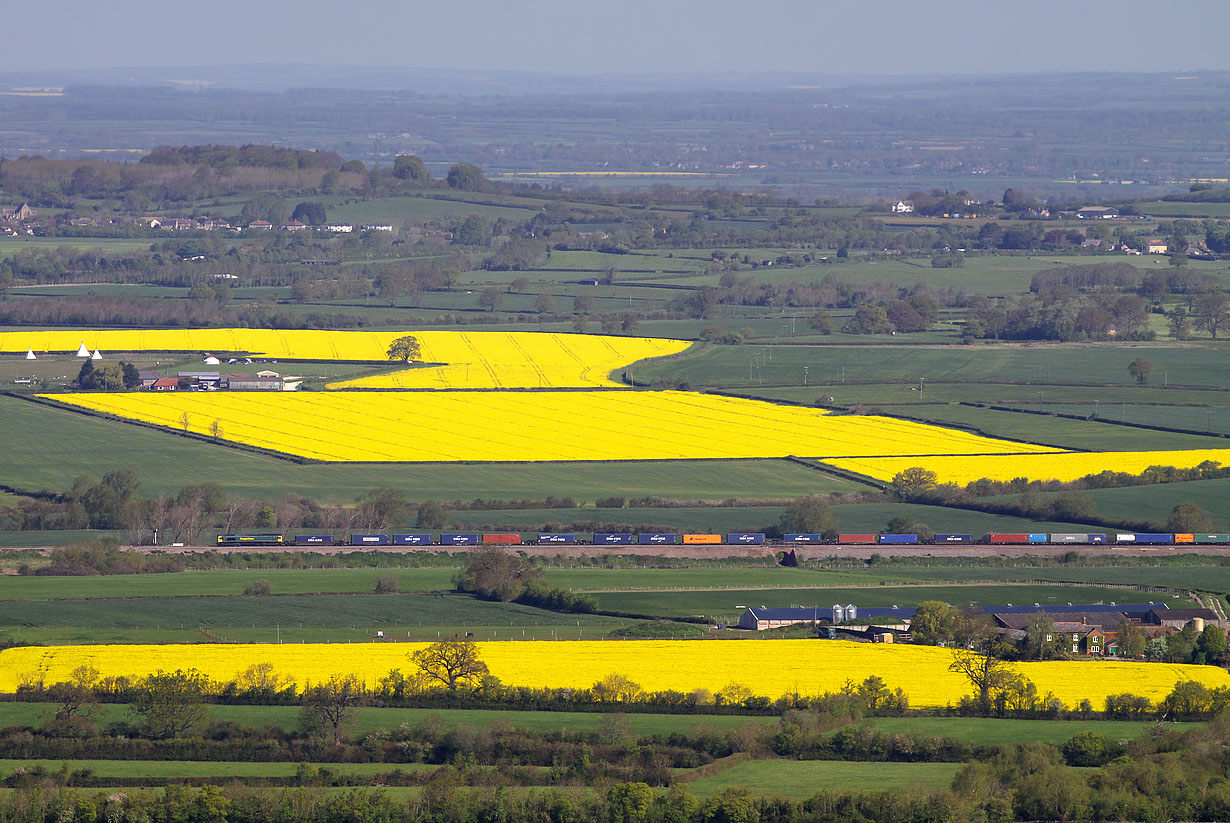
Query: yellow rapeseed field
point(532, 426)
point(481, 360)
point(1061, 466)
point(766, 667)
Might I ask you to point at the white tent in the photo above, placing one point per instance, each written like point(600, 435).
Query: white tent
point(210, 360)
point(97, 355)
point(82, 351)
point(30, 354)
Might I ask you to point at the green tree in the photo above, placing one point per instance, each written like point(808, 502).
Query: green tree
point(1042, 642)
point(869, 318)
point(1131, 640)
point(405, 348)
point(1212, 643)
point(171, 703)
point(809, 515)
point(410, 167)
point(431, 515)
point(1141, 369)
point(983, 665)
point(474, 231)
point(628, 802)
point(1188, 518)
point(1211, 311)
point(466, 177)
point(821, 321)
point(934, 622)
point(1074, 505)
point(453, 663)
point(313, 213)
point(544, 303)
point(493, 574)
point(1179, 322)
point(911, 482)
point(490, 298)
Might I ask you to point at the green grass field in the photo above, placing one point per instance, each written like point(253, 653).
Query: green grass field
point(1111, 399)
point(58, 446)
point(991, 731)
point(729, 366)
point(190, 768)
point(369, 719)
point(1155, 502)
point(799, 780)
point(1213, 417)
point(725, 605)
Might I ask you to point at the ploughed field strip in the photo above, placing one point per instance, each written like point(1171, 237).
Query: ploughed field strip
point(767, 667)
point(533, 426)
point(1062, 466)
point(482, 360)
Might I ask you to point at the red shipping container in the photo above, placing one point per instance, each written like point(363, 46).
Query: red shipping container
point(858, 538)
point(1008, 538)
point(501, 538)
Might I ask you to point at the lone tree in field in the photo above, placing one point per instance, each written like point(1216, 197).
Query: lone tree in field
point(911, 482)
point(984, 667)
point(329, 706)
point(173, 703)
point(1187, 517)
point(493, 574)
point(451, 662)
point(1141, 369)
point(405, 348)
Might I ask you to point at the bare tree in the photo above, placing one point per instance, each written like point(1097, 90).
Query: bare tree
point(331, 705)
point(451, 662)
point(983, 667)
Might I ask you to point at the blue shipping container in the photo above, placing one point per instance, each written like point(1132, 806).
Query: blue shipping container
point(369, 540)
point(655, 539)
point(313, 538)
point(745, 537)
point(454, 539)
point(557, 538)
point(1097, 538)
point(613, 539)
point(954, 538)
point(898, 538)
point(1038, 538)
point(1150, 537)
point(412, 539)
point(802, 538)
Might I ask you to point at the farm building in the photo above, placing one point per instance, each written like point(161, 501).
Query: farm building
point(1178, 618)
point(261, 381)
point(759, 619)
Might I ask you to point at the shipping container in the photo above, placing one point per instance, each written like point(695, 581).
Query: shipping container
point(1007, 538)
point(1154, 538)
point(314, 539)
point(501, 539)
point(1184, 538)
point(557, 538)
point(412, 540)
point(1213, 537)
point(858, 538)
point(1097, 538)
point(607, 539)
point(1069, 537)
point(802, 538)
point(898, 538)
point(745, 537)
point(954, 538)
point(1037, 537)
point(369, 540)
point(693, 539)
point(657, 539)
point(459, 539)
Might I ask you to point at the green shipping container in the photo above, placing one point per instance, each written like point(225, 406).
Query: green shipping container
point(1213, 538)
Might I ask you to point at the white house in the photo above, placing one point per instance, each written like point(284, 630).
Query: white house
point(903, 207)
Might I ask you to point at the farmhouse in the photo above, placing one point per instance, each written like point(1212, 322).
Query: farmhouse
point(164, 384)
point(18, 215)
point(149, 377)
point(903, 207)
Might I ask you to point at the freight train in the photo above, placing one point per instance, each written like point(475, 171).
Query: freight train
point(729, 539)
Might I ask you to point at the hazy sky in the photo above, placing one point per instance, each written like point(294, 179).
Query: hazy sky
point(628, 36)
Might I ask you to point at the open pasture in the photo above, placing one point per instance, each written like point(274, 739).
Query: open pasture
point(1064, 467)
point(726, 604)
point(741, 366)
point(532, 426)
point(767, 667)
point(803, 779)
point(989, 731)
